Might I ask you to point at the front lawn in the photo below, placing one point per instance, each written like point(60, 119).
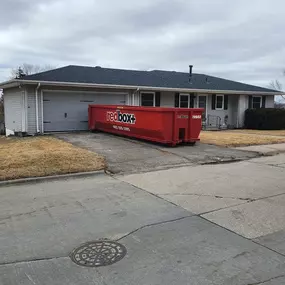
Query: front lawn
point(44, 156)
point(238, 138)
point(262, 132)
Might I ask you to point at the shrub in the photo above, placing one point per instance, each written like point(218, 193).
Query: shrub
point(265, 119)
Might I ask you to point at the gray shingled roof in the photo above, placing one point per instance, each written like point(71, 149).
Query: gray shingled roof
point(155, 78)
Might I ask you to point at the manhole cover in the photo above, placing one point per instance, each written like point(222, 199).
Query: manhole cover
point(98, 253)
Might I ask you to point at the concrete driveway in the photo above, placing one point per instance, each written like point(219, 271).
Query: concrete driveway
point(40, 224)
point(133, 156)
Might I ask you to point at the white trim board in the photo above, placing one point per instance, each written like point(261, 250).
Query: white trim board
point(184, 94)
point(88, 92)
point(16, 82)
point(223, 105)
point(197, 102)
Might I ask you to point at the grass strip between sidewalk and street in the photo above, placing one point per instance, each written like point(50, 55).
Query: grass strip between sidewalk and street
point(235, 138)
point(44, 156)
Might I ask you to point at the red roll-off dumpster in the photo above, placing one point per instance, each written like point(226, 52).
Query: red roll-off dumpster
point(164, 125)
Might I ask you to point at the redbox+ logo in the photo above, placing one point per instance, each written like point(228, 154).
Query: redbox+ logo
point(121, 118)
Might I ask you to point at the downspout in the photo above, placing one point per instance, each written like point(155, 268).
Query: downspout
point(37, 108)
point(237, 119)
point(42, 110)
point(133, 97)
point(138, 89)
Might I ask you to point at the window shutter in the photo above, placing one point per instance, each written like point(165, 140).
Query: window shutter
point(176, 101)
point(226, 102)
point(214, 102)
point(192, 98)
point(249, 102)
point(157, 99)
point(263, 101)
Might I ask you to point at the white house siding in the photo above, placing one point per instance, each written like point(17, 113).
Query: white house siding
point(233, 104)
point(167, 99)
point(14, 110)
point(269, 101)
point(32, 123)
point(136, 101)
point(242, 106)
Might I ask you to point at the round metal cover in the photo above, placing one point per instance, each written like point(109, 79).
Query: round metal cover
point(98, 253)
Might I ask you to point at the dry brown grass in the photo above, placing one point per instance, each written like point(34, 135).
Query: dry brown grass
point(44, 156)
point(232, 138)
point(262, 132)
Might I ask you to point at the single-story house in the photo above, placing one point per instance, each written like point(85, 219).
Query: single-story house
point(57, 100)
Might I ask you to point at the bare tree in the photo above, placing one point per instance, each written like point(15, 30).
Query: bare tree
point(276, 85)
point(28, 69)
point(279, 105)
point(1, 106)
point(2, 126)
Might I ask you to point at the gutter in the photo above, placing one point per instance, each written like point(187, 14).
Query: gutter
point(37, 107)
point(142, 88)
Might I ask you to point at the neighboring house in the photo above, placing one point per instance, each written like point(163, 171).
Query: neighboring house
point(2, 125)
point(57, 100)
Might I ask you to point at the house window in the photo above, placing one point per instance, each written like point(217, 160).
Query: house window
point(184, 101)
point(219, 102)
point(256, 102)
point(148, 99)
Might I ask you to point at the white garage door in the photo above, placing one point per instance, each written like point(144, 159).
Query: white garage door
point(68, 111)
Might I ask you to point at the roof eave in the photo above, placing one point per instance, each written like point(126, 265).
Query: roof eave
point(9, 84)
point(133, 87)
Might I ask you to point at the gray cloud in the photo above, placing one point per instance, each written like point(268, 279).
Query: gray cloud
point(17, 12)
point(240, 40)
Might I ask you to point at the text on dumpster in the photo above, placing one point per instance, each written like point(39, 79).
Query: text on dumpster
point(121, 117)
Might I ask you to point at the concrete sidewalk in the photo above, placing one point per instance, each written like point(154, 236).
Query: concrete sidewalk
point(268, 149)
point(246, 197)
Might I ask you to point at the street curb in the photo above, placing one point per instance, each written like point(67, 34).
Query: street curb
point(266, 153)
point(51, 178)
point(271, 153)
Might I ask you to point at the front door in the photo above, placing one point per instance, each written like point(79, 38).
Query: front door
point(202, 103)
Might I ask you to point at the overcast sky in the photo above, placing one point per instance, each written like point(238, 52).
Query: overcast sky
point(241, 40)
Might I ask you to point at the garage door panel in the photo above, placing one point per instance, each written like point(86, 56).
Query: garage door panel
point(59, 126)
point(64, 111)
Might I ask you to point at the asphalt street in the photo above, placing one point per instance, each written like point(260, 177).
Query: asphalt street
point(197, 224)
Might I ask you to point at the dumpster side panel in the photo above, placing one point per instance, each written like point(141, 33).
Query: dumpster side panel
point(195, 125)
point(164, 125)
point(144, 123)
point(188, 125)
